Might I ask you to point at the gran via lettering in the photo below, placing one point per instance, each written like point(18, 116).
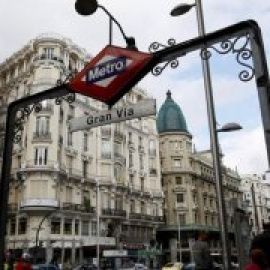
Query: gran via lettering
point(107, 117)
point(106, 69)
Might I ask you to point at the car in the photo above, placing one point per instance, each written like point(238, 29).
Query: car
point(86, 266)
point(189, 266)
point(140, 266)
point(44, 267)
point(136, 266)
point(173, 266)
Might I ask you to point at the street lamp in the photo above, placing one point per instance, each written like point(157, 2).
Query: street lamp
point(177, 11)
point(89, 7)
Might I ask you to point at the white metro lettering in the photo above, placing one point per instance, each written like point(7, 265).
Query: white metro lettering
point(106, 70)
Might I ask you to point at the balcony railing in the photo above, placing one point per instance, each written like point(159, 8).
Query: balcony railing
point(119, 135)
point(42, 136)
point(39, 202)
point(78, 208)
point(114, 212)
point(12, 207)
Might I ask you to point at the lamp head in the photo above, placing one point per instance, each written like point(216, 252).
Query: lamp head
point(181, 9)
point(131, 43)
point(86, 7)
point(230, 127)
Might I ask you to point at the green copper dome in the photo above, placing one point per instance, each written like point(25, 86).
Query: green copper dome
point(170, 117)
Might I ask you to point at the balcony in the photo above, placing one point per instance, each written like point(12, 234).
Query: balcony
point(153, 172)
point(106, 155)
point(75, 174)
point(72, 207)
point(131, 145)
point(38, 136)
point(138, 216)
point(12, 208)
point(43, 57)
point(119, 135)
point(106, 132)
point(114, 212)
point(38, 204)
point(120, 158)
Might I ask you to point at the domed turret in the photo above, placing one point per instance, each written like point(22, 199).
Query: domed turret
point(170, 117)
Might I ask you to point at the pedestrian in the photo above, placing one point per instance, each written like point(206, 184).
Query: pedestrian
point(262, 241)
point(201, 252)
point(258, 260)
point(23, 264)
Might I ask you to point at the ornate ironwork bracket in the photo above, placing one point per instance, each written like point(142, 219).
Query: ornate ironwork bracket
point(21, 118)
point(239, 47)
point(24, 112)
point(156, 46)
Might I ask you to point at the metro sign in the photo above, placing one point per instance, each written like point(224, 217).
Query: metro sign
point(111, 74)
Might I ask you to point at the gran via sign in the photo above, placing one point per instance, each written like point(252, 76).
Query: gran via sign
point(143, 108)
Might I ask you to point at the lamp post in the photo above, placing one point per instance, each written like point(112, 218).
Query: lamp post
point(177, 11)
point(88, 7)
point(98, 219)
point(179, 237)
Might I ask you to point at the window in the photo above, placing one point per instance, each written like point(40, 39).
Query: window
point(69, 194)
point(85, 142)
point(94, 229)
point(106, 147)
point(55, 225)
point(132, 206)
point(152, 147)
point(48, 53)
point(141, 162)
point(130, 159)
point(12, 229)
point(42, 125)
point(178, 180)
point(76, 227)
point(177, 163)
point(143, 209)
point(85, 168)
point(182, 219)
point(41, 155)
point(117, 149)
point(22, 226)
point(180, 198)
point(69, 138)
point(68, 226)
point(85, 227)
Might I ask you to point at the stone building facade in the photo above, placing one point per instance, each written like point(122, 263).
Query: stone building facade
point(57, 176)
point(189, 188)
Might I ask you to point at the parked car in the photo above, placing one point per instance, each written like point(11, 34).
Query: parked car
point(173, 266)
point(44, 267)
point(189, 266)
point(86, 266)
point(136, 266)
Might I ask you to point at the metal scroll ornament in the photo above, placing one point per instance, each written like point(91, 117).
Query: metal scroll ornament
point(156, 46)
point(239, 47)
point(70, 97)
point(21, 118)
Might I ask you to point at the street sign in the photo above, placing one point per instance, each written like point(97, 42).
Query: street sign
point(142, 108)
point(112, 73)
point(115, 253)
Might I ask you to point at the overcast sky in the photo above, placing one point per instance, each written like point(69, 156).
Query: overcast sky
point(148, 21)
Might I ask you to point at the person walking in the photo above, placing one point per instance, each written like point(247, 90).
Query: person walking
point(23, 264)
point(258, 260)
point(262, 241)
point(201, 252)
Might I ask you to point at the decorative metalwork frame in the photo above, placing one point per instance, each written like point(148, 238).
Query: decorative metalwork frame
point(23, 113)
point(156, 46)
point(238, 46)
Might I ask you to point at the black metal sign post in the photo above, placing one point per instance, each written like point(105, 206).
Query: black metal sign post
point(223, 41)
point(23, 107)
